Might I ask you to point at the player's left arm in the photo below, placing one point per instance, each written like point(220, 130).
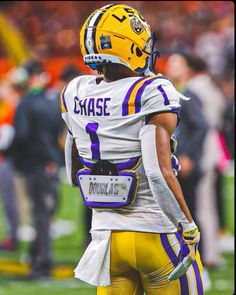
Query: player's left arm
point(76, 164)
point(72, 161)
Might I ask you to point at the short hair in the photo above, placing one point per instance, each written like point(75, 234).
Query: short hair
point(33, 66)
point(69, 72)
point(114, 71)
point(195, 62)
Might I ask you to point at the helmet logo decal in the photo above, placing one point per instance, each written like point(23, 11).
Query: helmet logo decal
point(105, 42)
point(136, 25)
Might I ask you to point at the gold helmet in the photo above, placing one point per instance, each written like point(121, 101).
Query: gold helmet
point(116, 33)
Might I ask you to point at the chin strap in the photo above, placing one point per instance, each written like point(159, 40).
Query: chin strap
point(153, 55)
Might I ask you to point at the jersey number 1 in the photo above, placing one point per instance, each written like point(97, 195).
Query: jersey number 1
point(91, 129)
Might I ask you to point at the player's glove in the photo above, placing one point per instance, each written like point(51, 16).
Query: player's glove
point(187, 252)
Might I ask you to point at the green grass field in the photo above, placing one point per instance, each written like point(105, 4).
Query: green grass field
point(222, 284)
point(67, 251)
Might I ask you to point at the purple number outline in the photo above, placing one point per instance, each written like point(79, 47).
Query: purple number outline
point(166, 100)
point(91, 129)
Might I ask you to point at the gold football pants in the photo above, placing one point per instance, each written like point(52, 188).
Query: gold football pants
point(141, 262)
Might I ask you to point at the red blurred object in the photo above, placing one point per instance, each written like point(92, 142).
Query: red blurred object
point(52, 65)
point(8, 244)
point(51, 167)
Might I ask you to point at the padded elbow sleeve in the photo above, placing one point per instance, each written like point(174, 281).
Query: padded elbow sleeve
point(160, 190)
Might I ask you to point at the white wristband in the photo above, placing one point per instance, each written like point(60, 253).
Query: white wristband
point(187, 226)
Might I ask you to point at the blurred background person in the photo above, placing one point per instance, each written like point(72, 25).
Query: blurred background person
point(192, 129)
point(226, 145)
point(213, 103)
point(53, 93)
point(7, 187)
point(190, 134)
point(197, 134)
point(36, 155)
point(68, 73)
point(227, 127)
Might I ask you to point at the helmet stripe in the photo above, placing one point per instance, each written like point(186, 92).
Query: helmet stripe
point(94, 31)
point(85, 34)
point(91, 29)
point(88, 35)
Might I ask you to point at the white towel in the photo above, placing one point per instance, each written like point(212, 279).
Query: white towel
point(94, 266)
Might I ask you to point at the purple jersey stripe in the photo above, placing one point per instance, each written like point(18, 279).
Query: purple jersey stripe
point(120, 166)
point(86, 163)
point(141, 90)
point(63, 97)
point(198, 278)
point(196, 270)
point(175, 110)
point(128, 164)
point(91, 129)
point(174, 259)
point(166, 100)
point(125, 104)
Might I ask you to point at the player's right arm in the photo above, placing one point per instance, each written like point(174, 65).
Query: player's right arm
point(156, 154)
point(165, 124)
point(166, 190)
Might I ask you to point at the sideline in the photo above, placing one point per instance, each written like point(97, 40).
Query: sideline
point(23, 269)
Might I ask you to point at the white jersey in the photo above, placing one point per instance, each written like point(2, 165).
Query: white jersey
point(105, 120)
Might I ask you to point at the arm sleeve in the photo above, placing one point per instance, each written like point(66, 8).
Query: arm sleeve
point(68, 157)
point(64, 109)
point(160, 190)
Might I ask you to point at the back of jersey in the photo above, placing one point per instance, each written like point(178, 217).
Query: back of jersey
point(105, 118)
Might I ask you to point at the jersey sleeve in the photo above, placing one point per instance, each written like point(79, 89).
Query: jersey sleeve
point(67, 99)
point(64, 107)
point(160, 95)
point(68, 95)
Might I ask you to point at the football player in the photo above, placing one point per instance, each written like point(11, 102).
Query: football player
point(120, 126)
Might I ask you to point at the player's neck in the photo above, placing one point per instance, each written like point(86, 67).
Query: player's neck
point(116, 72)
point(112, 79)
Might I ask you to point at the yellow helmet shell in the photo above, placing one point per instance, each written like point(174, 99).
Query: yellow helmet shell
point(116, 33)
